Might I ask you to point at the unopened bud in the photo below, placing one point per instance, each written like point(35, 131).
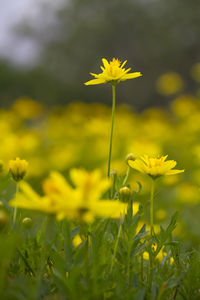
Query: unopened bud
point(130, 156)
point(1, 166)
point(125, 193)
point(3, 219)
point(18, 168)
point(27, 222)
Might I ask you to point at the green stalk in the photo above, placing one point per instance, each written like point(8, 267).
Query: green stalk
point(112, 126)
point(151, 207)
point(116, 245)
point(127, 175)
point(142, 264)
point(151, 256)
point(15, 208)
point(151, 265)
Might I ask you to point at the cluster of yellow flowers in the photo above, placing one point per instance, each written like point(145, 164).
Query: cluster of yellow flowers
point(76, 135)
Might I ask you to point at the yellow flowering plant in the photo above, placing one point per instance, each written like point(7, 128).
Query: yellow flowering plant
point(18, 168)
point(154, 166)
point(112, 72)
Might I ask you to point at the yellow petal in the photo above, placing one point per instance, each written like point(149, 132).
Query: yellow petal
point(172, 172)
point(105, 63)
point(95, 81)
point(131, 76)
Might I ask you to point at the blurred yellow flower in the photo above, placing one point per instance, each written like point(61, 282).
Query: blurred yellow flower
point(161, 214)
point(113, 72)
point(161, 254)
point(27, 198)
point(82, 202)
point(18, 168)
point(185, 105)
point(26, 108)
point(154, 167)
point(169, 83)
point(188, 193)
point(77, 240)
point(195, 72)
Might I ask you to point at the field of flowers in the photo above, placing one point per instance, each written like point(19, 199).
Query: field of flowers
point(74, 227)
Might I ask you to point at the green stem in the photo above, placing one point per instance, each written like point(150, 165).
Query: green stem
point(151, 206)
point(151, 263)
point(26, 262)
point(151, 256)
point(15, 208)
point(127, 175)
point(116, 245)
point(142, 264)
point(112, 126)
point(128, 264)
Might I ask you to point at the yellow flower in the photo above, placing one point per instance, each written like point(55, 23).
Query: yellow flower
point(77, 240)
point(154, 167)
point(27, 198)
point(18, 168)
point(113, 72)
point(82, 202)
point(169, 83)
point(195, 72)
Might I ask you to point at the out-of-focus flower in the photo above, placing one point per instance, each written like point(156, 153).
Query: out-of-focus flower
point(154, 167)
point(27, 108)
point(161, 214)
point(160, 255)
point(188, 193)
point(77, 240)
point(113, 72)
point(195, 72)
point(185, 105)
point(82, 202)
point(140, 144)
point(141, 224)
point(27, 198)
point(18, 168)
point(169, 83)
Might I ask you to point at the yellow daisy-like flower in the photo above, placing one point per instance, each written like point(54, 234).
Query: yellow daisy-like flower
point(82, 202)
point(113, 72)
point(154, 167)
point(18, 168)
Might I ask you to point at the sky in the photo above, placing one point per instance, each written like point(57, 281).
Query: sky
point(19, 49)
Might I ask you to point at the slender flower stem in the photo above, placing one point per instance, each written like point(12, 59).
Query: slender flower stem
point(142, 266)
point(116, 244)
point(151, 257)
point(15, 208)
point(112, 126)
point(151, 206)
point(151, 266)
point(127, 175)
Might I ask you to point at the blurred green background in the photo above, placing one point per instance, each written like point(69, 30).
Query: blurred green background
point(52, 48)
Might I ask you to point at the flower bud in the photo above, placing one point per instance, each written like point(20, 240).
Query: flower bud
point(130, 156)
point(1, 166)
point(3, 219)
point(125, 193)
point(27, 222)
point(18, 168)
